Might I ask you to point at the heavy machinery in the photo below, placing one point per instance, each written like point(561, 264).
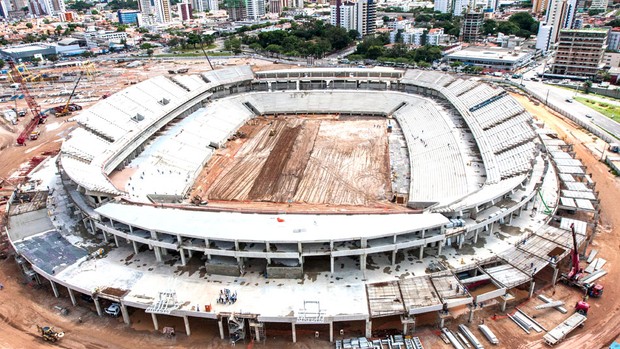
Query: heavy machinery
point(68, 108)
point(37, 116)
point(573, 278)
point(48, 334)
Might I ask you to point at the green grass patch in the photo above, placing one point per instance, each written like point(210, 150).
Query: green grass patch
point(610, 110)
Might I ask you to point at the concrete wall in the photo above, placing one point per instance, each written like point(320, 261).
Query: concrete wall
point(274, 272)
point(223, 269)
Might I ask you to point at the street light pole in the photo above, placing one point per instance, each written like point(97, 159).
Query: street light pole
point(547, 98)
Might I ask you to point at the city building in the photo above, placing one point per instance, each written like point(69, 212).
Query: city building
point(543, 39)
point(294, 4)
point(560, 15)
point(162, 11)
point(471, 30)
point(46, 7)
point(579, 53)
point(255, 9)
point(236, 9)
point(459, 6)
point(360, 15)
point(539, 6)
point(205, 5)
point(492, 58)
point(613, 39)
point(419, 36)
point(128, 17)
point(443, 6)
point(5, 7)
point(598, 5)
point(275, 6)
point(611, 59)
point(185, 11)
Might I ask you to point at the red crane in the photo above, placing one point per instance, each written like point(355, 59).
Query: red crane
point(573, 277)
point(37, 117)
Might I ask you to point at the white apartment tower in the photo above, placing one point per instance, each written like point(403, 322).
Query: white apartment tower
point(205, 5)
point(255, 9)
point(443, 6)
point(360, 15)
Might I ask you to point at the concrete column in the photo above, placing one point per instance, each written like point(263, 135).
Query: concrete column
point(555, 276)
point(331, 331)
point(55, 289)
point(368, 328)
point(257, 334)
point(221, 327)
point(363, 262)
point(440, 246)
point(98, 306)
point(491, 228)
point(72, 296)
point(164, 251)
point(504, 302)
point(476, 236)
point(155, 323)
point(394, 257)
point(157, 253)
point(135, 247)
point(105, 236)
point(182, 252)
point(331, 262)
point(189, 253)
point(187, 329)
point(92, 226)
point(471, 313)
point(293, 332)
point(115, 240)
point(461, 240)
point(421, 252)
point(441, 322)
point(125, 314)
point(532, 288)
point(510, 218)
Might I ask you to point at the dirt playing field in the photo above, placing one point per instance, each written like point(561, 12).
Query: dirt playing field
point(340, 161)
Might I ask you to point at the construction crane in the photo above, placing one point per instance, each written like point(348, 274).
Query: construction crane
point(66, 110)
point(573, 278)
point(37, 116)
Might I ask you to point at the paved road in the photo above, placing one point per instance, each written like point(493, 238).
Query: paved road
point(558, 96)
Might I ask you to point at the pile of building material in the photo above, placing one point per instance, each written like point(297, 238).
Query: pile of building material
point(548, 300)
point(560, 332)
point(391, 342)
point(486, 331)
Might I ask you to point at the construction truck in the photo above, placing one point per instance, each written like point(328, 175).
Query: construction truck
point(573, 278)
point(34, 135)
point(48, 334)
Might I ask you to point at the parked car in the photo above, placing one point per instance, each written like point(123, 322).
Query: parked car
point(114, 309)
point(569, 100)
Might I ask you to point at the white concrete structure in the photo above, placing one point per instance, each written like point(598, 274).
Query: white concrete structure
point(255, 9)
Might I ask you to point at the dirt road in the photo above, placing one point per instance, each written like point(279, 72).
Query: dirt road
point(603, 325)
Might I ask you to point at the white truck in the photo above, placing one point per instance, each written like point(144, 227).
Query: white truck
point(562, 330)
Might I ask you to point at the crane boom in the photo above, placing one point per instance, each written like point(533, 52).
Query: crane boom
point(65, 110)
point(37, 117)
point(574, 272)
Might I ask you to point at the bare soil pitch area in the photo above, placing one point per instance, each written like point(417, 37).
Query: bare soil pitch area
point(316, 160)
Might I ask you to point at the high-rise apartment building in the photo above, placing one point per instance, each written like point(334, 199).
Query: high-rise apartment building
point(236, 9)
point(255, 9)
point(162, 11)
point(46, 7)
point(360, 15)
point(560, 15)
point(185, 11)
point(205, 5)
point(443, 6)
point(539, 6)
point(471, 30)
point(579, 52)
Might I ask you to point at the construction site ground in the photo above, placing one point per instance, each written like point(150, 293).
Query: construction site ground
point(302, 163)
point(23, 306)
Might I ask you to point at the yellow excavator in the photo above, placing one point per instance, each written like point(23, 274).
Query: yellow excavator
point(48, 334)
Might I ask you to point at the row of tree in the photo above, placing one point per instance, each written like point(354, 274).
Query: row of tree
point(520, 24)
point(373, 48)
point(312, 38)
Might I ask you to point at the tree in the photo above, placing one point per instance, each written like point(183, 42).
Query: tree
point(80, 6)
point(2, 63)
point(508, 28)
point(142, 30)
point(385, 19)
point(46, 21)
point(29, 25)
point(489, 27)
point(122, 27)
point(58, 30)
point(374, 52)
point(149, 52)
point(94, 12)
point(87, 54)
point(587, 85)
point(455, 65)
point(525, 22)
point(146, 46)
point(52, 58)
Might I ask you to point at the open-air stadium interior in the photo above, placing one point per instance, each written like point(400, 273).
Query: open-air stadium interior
point(462, 160)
